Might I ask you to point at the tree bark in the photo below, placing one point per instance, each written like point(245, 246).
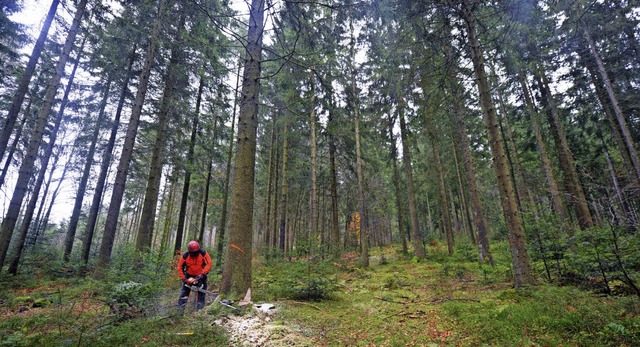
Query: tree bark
point(113, 213)
point(27, 167)
point(284, 190)
point(236, 276)
point(523, 275)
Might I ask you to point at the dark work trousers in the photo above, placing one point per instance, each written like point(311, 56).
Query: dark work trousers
point(184, 295)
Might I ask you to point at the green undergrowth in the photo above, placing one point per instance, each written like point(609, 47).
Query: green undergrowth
point(447, 301)
point(129, 305)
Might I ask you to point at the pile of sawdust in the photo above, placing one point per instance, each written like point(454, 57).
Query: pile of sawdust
point(260, 330)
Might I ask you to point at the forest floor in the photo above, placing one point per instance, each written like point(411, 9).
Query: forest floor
point(397, 301)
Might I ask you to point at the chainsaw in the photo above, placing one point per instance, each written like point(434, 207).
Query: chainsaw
point(224, 302)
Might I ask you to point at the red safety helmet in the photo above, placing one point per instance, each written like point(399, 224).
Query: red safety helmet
point(193, 246)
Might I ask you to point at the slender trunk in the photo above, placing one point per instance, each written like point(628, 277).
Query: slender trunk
point(187, 171)
point(28, 162)
point(335, 223)
point(236, 277)
point(44, 163)
point(284, 192)
point(622, 123)
point(166, 233)
point(364, 238)
point(82, 186)
point(276, 216)
point(117, 194)
point(104, 166)
point(556, 198)
point(523, 274)
point(26, 222)
point(601, 94)
point(313, 192)
point(393, 151)
point(23, 85)
point(267, 214)
point(14, 144)
point(571, 181)
point(150, 205)
point(463, 200)
point(444, 204)
point(227, 177)
point(413, 211)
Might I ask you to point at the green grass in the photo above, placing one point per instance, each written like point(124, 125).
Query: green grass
point(453, 301)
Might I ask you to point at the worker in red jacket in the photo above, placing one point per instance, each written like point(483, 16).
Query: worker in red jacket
point(193, 268)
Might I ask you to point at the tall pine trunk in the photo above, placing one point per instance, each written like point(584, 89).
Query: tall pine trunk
point(28, 162)
point(82, 186)
point(571, 181)
point(393, 152)
point(150, 205)
point(23, 85)
point(556, 198)
point(523, 275)
point(416, 238)
point(111, 223)
point(187, 170)
point(613, 99)
point(236, 277)
point(227, 177)
point(87, 237)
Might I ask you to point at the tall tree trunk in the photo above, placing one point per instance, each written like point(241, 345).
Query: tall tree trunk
point(187, 170)
point(413, 210)
point(236, 277)
point(23, 85)
point(601, 94)
point(270, 189)
point(444, 204)
point(622, 123)
point(104, 166)
point(393, 151)
point(28, 216)
point(463, 201)
point(113, 213)
point(227, 177)
point(276, 217)
point(313, 203)
point(14, 144)
point(335, 223)
point(284, 190)
point(31, 206)
point(26, 169)
point(571, 181)
point(150, 205)
point(556, 198)
point(82, 186)
point(523, 274)
point(166, 232)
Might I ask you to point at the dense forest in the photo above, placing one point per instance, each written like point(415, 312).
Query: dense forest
point(307, 130)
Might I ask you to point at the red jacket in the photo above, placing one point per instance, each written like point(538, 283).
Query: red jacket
point(189, 266)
